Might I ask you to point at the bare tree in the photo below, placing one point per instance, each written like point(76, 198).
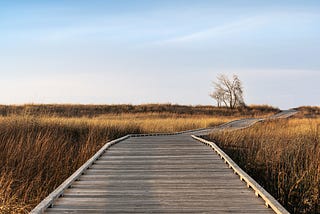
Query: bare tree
point(218, 96)
point(228, 92)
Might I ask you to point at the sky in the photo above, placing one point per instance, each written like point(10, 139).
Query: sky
point(166, 51)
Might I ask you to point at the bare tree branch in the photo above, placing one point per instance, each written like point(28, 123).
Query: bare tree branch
point(228, 92)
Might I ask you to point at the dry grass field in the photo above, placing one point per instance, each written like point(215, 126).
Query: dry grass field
point(283, 156)
point(40, 146)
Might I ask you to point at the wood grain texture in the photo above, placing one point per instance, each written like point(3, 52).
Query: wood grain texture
point(162, 174)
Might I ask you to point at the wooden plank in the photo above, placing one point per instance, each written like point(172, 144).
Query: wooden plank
point(159, 162)
point(155, 192)
point(190, 175)
point(151, 171)
point(198, 187)
point(158, 210)
point(209, 189)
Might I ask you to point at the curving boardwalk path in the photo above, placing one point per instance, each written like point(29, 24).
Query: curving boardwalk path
point(158, 174)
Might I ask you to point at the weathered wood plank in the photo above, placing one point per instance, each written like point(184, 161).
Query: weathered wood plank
point(151, 171)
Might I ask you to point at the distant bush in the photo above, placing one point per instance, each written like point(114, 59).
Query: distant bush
point(308, 111)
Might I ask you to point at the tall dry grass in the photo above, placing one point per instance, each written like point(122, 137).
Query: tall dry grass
point(283, 156)
point(37, 153)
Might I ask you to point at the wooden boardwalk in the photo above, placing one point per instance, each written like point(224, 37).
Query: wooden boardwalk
point(159, 174)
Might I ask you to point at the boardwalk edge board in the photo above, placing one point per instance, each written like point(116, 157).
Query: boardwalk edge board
point(48, 201)
point(270, 201)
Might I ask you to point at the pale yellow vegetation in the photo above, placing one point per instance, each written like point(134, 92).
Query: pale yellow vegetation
point(37, 153)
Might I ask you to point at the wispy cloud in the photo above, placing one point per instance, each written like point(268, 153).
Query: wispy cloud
point(216, 31)
point(244, 25)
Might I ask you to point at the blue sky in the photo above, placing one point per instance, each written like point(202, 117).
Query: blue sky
point(143, 51)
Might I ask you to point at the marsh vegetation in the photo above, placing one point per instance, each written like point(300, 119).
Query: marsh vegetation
point(283, 156)
point(42, 145)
